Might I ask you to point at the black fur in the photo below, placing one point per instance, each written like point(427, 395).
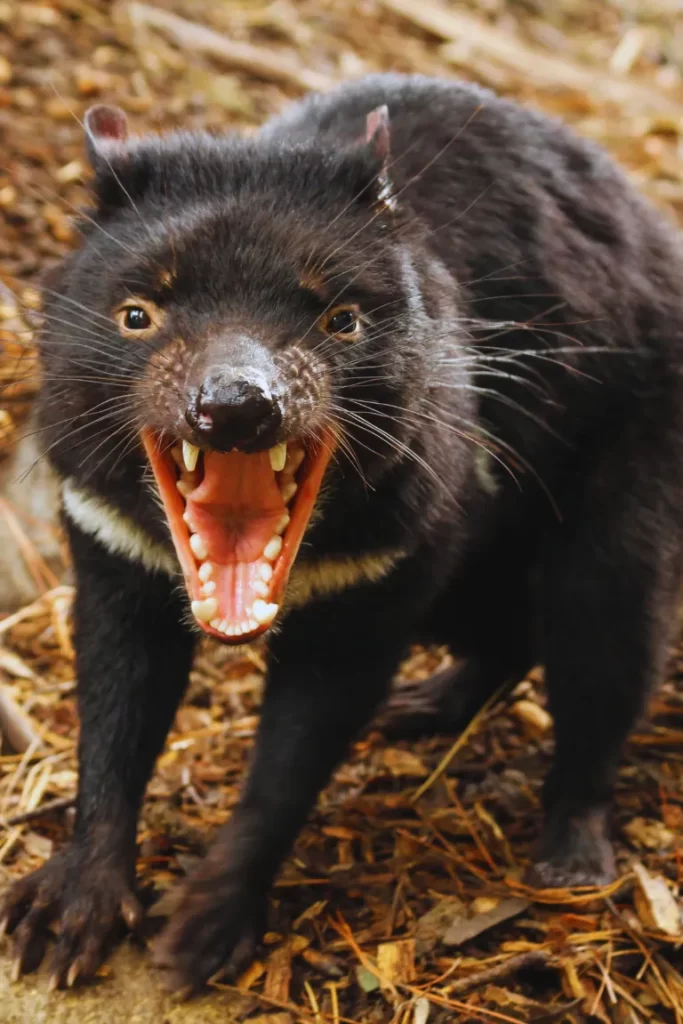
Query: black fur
point(539, 315)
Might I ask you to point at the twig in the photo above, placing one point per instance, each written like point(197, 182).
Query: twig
point(534, 958)
point(15, 726)
point(529, 62)
point(200, 39)
point(471, 727)
point(51, 807)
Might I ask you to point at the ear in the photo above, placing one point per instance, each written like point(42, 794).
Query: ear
point(378, 139)
point(106, 132)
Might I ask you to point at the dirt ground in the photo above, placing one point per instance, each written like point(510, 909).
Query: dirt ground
point(402, 901)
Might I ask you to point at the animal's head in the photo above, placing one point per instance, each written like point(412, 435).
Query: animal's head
point(248, 312)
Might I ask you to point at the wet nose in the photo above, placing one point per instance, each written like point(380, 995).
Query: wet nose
point(235, 413)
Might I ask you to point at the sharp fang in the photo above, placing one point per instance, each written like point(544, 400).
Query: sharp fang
point(198, 546)
point(205, 571)
point(278, 456)
point(261, 588)
point(272, 548)
point(265, 571)
point(263, 612)
point(288, 492)
point(190, 455)
point(295, 457)
point(205, 610)
point(282, 524)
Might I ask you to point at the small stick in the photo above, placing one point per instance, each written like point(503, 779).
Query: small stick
point(15, 725)
point(51, 807)
point(533, 958)
point(254, 59)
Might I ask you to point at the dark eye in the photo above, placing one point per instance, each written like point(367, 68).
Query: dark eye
point(342, 321)
point(136, 319)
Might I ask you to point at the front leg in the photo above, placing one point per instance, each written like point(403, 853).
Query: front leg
point(329, 671)
point(132, 657)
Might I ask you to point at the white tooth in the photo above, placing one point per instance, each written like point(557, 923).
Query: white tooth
point(227, 628)
point(295, 457)
point(288, 492)
point(205, 571)
point(261, 588)
point(252, 625)
point(217, 624)
point(190, 455)
point(186, 517)
point(265, 571)
point(198, 546)
point(272, 548)
point(245, 626)
point(185, 487)
point(282, 524)
point(205, 610)
point(263, 612)
point(209, 588)
point(278, 456)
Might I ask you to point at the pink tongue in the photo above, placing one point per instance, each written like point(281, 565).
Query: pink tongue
point(236, 507)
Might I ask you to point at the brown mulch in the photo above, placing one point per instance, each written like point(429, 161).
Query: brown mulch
point(402, 901)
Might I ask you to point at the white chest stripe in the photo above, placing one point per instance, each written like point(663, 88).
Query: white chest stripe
point(116, 531)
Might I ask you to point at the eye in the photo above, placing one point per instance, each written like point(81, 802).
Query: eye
point(139, 317)
point(136, 319)
point(342, 320)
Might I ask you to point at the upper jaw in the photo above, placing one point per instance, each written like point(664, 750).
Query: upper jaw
point(237, 521)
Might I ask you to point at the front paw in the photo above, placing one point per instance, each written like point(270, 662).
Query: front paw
point(216, 927)
point(85, 896)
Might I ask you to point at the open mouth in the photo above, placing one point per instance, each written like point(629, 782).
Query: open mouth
point(237, 522)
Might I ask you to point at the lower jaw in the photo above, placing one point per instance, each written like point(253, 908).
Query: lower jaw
point(236, 601)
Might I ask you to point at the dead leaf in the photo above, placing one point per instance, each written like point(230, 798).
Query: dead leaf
point(655, 903)
point(469, 927)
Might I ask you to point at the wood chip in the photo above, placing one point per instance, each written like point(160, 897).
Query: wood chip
point(655, 903)
point(469, 927)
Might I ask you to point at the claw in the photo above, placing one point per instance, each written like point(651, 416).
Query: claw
point(3, 926)
point(16, 969)
point(73, 973)
point(53, 983)
point(130, 911)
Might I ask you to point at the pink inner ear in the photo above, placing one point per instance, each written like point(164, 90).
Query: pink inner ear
point(377, 131)
point(106, 124)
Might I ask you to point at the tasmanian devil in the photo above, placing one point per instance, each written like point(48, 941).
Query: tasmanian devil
point(405, 365)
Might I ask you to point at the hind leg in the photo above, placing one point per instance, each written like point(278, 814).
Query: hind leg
point(611, 580)
point(484, 617)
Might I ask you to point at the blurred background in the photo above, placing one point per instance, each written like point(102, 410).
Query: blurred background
point(614, 70)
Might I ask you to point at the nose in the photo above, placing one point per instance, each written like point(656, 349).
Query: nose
point(234, 413)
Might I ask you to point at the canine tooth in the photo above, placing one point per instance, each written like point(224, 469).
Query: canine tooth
point(272, 548)
point(295, 457)
point(208, 588)
point(261, 588)
point(288, 492)
point(185, 487)
point(198, 546)
point(265, 571)
point(263, 612)
point(282, 524)
point(278, 456)
point(205, 610)
point(205, 571)
point(190, 455)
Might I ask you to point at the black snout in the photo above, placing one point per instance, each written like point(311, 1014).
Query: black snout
point(226, 414)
